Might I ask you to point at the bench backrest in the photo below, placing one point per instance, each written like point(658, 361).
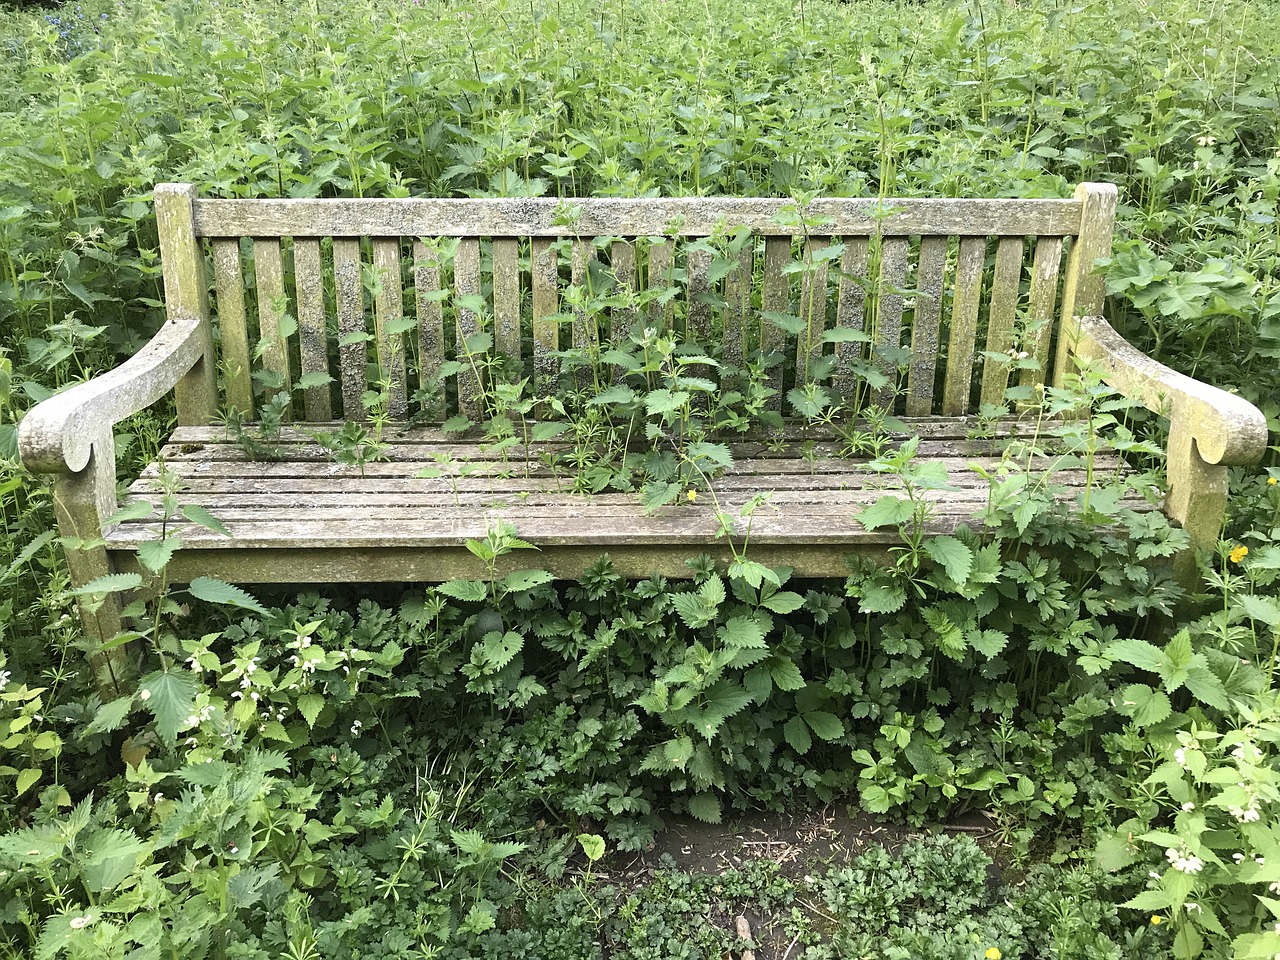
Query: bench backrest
point(369, 290)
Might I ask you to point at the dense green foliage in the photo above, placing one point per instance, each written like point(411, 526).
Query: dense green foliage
point(440, 773)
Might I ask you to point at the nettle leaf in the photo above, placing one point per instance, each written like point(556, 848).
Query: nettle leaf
point(135, 510)
point(170, 697)
point(989, 643)
point(1146, 705)
point(310, 705)
point(111, 716)
point(693, 609)
point(156, 554)
point(825, 725)
point(888, 511)
point(743, 632)
point(678, 752)
point(1205, 685)
point(200, 515)
point(618, 394)
point(521, 580)
point(111, 583)
point(1143, 655)
point(880, 595)
point(312, 379)
point(797, 734)
point(661, 401)
point(496, 650)
point(469, 590)
point(705, 807)
point(954, 556)
point(786, 674)
point(1265, 609)
point(216, 591)
point(716, 453)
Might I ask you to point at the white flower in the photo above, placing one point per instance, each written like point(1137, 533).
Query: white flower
point(4, 678)
point(79, 923)
point(1183, 861)
point(355, 728)
point(1193, 908)
point(1188, 807)
point(1180, 757)
point(1238, 857)
point(1275, 887)
point(1251, 816)
point(144, 695)
point(1206, 141)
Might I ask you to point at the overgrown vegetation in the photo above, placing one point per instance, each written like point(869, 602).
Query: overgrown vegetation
point(448, 772)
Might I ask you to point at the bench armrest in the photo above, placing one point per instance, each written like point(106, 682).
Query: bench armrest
point(58, 434)
point(1227, 429)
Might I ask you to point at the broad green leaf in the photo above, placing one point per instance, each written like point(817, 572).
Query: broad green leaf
point(658, 402)
point(1146, 705)
point(678, 752)
point(111, 583)
point(110, 716)
point(156, 554)
point(797, 734)
point(314, 378)
point(521, 580)
point(705, 807)
point(135, 510)
point(692, 608)
point(1205, 685)
point(310, 705)
point(618, 394)
point(170, 697)
point(1143, 655)
point(109, 857)
point(26, 780)
point(888, 511)
point(29, 551)
point(825, 725)
point(786, 675)
point(954, 556)
point(989, 643)
point(216, 591)
point(198, 514)
point(743, 632)
point(881, 596)
point(785, 601)
point(470, 590)
point(592, 845)
point(1265, 609)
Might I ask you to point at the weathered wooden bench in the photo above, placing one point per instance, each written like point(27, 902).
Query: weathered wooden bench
point(360, 290)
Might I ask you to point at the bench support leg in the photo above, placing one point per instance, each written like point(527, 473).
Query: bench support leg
point(1197, 498)
point(81, 501)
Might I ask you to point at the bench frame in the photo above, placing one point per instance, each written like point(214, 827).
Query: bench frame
point(70, 436)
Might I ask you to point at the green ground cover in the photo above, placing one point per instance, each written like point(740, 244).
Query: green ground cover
point(465, 770)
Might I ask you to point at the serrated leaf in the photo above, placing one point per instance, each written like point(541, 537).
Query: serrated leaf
point(784, 602)
point(881, 596)
point(705, 807)
point(743, 633)
point(1255, 607)
point(989, 643)
point(198, 514)
point(218, 591)
point(617, 394)
point(1146, 705)
point(26, 780)
point(310, 705)
point(1143, 655)
point(521, 580)
point(110, 716)
point(692, 609)
point(547, 430)
point(29, 551)
point(797, 733)
point(657, 402)
point(135, 510)
point(156, 554)
point(954, 556)
point(314, 378)
point(824, 724)
point(786, 675)
point(472, 591)
point(888, 511)
point(678, 752)
point(1205, 685)
point(170, 697)
point(458, 423)
point(111, 583)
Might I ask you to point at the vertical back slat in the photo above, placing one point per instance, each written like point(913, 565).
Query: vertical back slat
point(352, 356)
point(737, 294)
point(229, 279)
point(586, 335)
point(813, 307)
point(312, 339)
point(426, 289)
point(466, 283)
point(1000, 319)
point(775, 298)
point(964, 326)
point(924, 331)
point(1083, 289)
point(388, 306)
point(546, 303)
point(660, 261)
point(888, 334)
point(622, 257)
point(269, 266)
point(1044, 295)
point(851, 308)
point(506, 297)
point(697, 287)
point(186, 291)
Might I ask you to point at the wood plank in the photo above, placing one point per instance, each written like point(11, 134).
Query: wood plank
point(313, 340)
point(466, 283)
point(506, 299)
point(643, 217)
point(1001, 316)
point(1084, 289)
point(964, 325)
point(737, 293)
point(813, 308)
point(546, 304)
point(388, 306)
point(272, 306)
point(696, 289)
point(352, 356)
point(229, 285)
point(1041, 316)
point(622, 262)
point(851, 313)
point(924, 329)
point(186, 294)
point(661, 264)
point(775, 298)
point(586, 333)
point(430, 309)
point(888, 332)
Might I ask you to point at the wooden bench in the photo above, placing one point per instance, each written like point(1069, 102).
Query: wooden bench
point(362, 291)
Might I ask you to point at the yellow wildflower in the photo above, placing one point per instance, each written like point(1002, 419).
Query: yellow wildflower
point(1272, 481)
point(993, 953)
point(1156, 919)
point(691, 495)
point(1238, 553)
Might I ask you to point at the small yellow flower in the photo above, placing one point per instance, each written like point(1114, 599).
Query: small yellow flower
point(1238, 553)
point(1272, 481)
point(691, 495)
point(1156, 919)
point(993, 953)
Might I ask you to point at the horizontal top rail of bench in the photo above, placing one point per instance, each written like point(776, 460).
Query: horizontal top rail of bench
point(644, 217)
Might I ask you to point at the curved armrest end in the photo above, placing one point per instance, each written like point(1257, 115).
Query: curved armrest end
point(1227, 428)
point(58, 434)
